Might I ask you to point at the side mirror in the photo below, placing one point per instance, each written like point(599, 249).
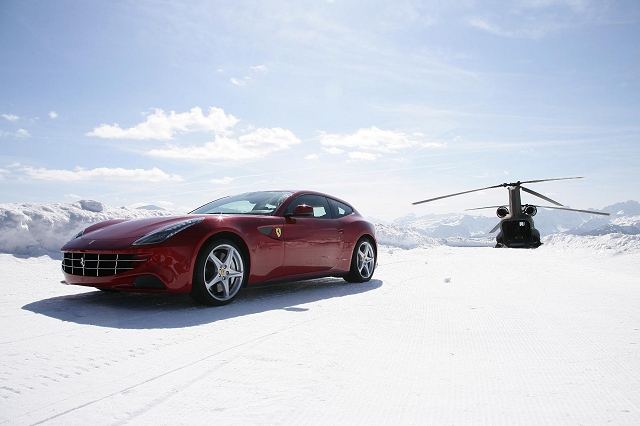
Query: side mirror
point(302, 210)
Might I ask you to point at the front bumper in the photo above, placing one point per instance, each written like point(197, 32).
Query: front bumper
point(167, 269)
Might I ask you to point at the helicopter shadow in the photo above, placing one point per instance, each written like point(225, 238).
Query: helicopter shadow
point(125, 310)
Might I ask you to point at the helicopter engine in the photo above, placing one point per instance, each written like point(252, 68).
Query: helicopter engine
point(529, 210)
point(502, 211)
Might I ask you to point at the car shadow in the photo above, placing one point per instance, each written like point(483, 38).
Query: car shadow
point(156, 311)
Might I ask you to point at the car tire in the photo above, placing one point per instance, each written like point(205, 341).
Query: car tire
point(363, 262)
point(220, 272)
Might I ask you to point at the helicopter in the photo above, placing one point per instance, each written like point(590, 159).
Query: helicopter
point(516, 225)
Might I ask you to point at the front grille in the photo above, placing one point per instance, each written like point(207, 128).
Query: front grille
point(99, 265)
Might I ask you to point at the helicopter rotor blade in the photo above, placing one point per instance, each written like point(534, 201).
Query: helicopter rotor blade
point(537, 194)
point(480, 208)
point(495, 228)
point(547, 180)
point(457, 193)
point(503, 185)
point(575, 210)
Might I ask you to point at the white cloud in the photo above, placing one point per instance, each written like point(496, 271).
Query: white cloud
point(161, 126)
point(10, 117)
point(53, 115)
point(224, 181)
point(20, 133)
point(312, 157)
point(103, 173)
point(486, 26)
point(529, 31)
point(243, 82)
point(372, 139)
point(534, 19)
point(334, 150)
point(257, 144)
point(362, 156)
point(576, 5)
point(260, 68)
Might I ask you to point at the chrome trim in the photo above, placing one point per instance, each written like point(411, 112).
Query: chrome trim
point(99, 264)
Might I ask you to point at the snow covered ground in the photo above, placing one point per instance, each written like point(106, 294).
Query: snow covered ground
point(441, 335)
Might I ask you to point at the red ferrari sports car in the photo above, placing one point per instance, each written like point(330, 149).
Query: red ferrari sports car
point(222, 246)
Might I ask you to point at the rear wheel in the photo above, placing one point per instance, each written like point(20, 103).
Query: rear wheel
point(363, 261)
point(219, 273)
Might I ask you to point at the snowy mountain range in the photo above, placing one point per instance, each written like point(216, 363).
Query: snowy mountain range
point(33, 229)
point(624, 219)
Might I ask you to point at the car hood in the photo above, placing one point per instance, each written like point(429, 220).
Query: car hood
point(132, 228)
point(120, 234)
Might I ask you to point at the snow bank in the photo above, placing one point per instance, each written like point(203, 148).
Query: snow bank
point(470, 242)
point(627, 221)
point(405, 238)
point(447, 225)
point(410, 238)
point(31, 229)
point(606, 244)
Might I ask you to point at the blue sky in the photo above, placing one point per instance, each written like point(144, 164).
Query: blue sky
point(382, 103)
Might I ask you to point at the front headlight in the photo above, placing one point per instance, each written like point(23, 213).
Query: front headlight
point(166, 232)
point(78, 235)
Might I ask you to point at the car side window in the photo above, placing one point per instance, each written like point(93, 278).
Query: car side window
point(340, 209)
point(321, 208)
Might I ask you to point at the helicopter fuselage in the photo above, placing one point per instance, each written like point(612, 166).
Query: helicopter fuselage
point(517, 229)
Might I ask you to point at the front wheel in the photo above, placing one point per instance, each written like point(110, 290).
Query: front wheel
point(219, 273)
point(363, 262)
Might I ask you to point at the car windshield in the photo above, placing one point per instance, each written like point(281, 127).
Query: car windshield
point(261, 203)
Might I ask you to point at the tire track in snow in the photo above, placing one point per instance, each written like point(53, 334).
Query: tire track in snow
point(161, 375)
point(256, 345)
point(367, 355)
